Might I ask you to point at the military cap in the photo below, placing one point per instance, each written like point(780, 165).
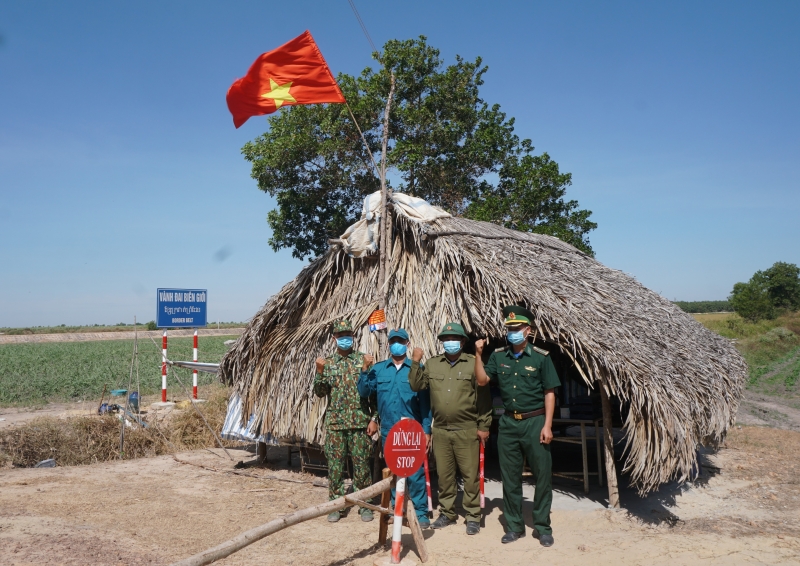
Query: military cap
point(452, 329)
point(398, 333)
point(342, 325)
point(517, 315)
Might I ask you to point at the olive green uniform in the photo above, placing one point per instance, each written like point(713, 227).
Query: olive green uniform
point(522, 382)
point(346, 420)
point(460, 409)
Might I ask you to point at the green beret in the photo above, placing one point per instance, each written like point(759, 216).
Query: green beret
point(342, 325)
point(452, 329)
point(517, 315)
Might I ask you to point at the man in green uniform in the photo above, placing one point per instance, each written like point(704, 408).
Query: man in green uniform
point(527, 379)
point(462, 415)
point(349, 419)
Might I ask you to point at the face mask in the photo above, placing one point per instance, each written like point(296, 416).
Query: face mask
point(398, 349)
point(452, 346)
point(516, 336)
point(345, 342)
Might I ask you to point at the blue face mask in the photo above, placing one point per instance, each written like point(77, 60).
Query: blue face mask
point(398, 349)
point(516, 336)
point(345, 342)
point(452, 346)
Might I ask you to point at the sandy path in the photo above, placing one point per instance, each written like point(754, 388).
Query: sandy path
point(96, 336)
point(157, 510)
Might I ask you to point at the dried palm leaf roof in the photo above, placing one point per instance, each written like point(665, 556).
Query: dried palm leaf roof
point(681, 381)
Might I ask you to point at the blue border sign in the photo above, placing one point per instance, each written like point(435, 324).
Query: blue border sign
point(181, 308)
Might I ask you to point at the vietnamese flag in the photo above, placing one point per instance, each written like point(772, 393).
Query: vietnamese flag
point(294, 73)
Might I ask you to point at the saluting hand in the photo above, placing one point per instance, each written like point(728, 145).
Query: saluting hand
point(320, 365)
point(479, 344)
point(416, 355)
point(368, 361)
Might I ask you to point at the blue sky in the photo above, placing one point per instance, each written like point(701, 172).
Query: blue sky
point(121, 172)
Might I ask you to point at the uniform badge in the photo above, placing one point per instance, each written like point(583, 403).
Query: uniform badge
point(529, 368)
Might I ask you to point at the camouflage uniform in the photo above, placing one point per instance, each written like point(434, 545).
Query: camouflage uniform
point(346, 420)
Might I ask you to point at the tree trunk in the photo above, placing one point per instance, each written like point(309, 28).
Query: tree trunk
point(249, 537)
point(608, 443)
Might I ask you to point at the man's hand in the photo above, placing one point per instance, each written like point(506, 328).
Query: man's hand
point(372, 428)
point(416, 355)
point(479, 344)
point(320, 365)
point(428, 444)
point(484, 436)
point(546, 435)
point(368, 361)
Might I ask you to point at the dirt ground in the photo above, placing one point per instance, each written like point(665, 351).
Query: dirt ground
point(743, 509)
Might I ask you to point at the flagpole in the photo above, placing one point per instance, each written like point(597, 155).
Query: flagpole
point(366, 145)
point(384, 232)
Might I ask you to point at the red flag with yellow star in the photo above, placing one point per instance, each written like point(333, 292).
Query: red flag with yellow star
point(294, 73)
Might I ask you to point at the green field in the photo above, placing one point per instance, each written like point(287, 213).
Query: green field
point(771, 348)
point(33, 374)
point(121, 327)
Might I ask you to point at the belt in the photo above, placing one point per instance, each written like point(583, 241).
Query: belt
point(521, 416)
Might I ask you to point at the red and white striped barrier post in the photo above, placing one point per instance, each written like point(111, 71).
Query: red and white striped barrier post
point(194, 372)
point(483, 499)
point(397, 527)
point(164, 368)
point(428, 484)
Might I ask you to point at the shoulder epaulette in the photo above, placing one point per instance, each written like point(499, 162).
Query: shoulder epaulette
point(542, 352)
point(470, 356)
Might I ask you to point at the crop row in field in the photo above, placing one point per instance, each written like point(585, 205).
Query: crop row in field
point(33, 374)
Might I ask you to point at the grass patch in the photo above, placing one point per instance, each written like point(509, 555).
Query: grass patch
point(771, 348)
point(90, 439)
point(36, 373)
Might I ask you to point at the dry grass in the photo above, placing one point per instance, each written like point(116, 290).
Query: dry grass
point(90, 439)
point(681, 381)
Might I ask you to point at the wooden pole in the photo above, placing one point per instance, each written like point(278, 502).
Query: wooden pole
point(383, 235)
point(249, 537)
point(608, 442)
point(416, 531)
point(386, 499)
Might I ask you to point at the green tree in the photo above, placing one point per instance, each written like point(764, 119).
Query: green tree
point(446, 146)
point(783, 285)
point(529, 197)
point(768, 292)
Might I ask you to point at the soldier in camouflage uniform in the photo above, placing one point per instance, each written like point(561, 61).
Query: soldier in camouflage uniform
point(350, 420)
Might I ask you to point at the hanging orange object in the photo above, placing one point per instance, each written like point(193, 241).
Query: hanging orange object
point(377, 320)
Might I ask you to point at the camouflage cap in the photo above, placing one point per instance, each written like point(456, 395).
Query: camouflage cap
point(342, 325)
point(517, 315)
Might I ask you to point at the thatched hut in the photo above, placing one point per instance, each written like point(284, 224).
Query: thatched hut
point(680, 383)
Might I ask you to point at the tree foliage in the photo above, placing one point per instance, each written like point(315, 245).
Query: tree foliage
point(704, 306)
point(768, 293)
point(447, 145)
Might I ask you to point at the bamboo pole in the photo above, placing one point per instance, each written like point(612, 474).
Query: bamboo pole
point(249, 537)
point(608, 442)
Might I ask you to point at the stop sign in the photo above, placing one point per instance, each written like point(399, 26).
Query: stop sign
point(405, 447)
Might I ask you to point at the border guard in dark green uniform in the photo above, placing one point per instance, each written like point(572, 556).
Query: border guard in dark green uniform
point(527, 379)
point(462, 415)
point(349, 418)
